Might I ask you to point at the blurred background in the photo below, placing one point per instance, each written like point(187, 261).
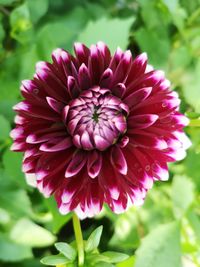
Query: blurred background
point(165, 232)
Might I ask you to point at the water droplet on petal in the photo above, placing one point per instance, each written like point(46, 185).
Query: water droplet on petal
point(35, 91)
point(147, 168)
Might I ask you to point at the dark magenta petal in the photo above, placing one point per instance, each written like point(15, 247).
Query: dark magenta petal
point(137, 96)
point(142, 121)
point(94, 164)
point(118, 160)
point(101, 143)
point(56, 145)
point(106, 78)
point(119, 90)
point(76, 164)
point(84, 77)
point(138, 67)
point(82, 53)
point(122, 69)
point(124, 141)
point(55, 105)
point(98, 128)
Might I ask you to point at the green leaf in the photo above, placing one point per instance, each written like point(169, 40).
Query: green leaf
point(195, 122)
point(171, 5)
point(29, 59)
point(67, 250)
point(128, 238)
point(58, 220)
point(28, 233)
point(7, 2)
point(21, 24)
point(54, 260)
point(191, 84)
point(16, 202)
point(4, 216)
point(13, 168)
point(151, 41)
point(94, 239)
point(2, 34)
point(127, 263)
point(195, 224)
point(104, 264)
point(114, 32)
point(114, 257)
point(192, 161)
point(160, 248)
point(182, 195)
point(181, 57)
point(10, 251)
point(4, 128)
point(64, 29)
point(153, 16)
point(37, 9)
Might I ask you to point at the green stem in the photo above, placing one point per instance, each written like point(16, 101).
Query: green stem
point(79, 239)
point(194, 123)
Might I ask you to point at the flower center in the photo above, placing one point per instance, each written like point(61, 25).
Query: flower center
point(95, 116)
point(96, 119)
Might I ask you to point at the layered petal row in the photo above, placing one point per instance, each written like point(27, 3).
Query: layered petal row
point(98, 128)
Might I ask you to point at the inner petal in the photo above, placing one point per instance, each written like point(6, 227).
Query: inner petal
point(93, 119)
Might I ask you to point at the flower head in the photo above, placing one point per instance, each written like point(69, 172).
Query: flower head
point(97, 128)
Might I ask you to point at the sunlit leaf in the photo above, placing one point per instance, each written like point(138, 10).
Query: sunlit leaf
point(94, 239)
point(4, 128)
point(58, 220)
point(182, 195)
point(115, 257)
point(114, 32)
point(67, 250)
point(28, 233)
point(10, 251)
point(160, 248)
point(54, 260)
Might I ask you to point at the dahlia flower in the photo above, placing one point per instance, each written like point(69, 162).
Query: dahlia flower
point(98, 128)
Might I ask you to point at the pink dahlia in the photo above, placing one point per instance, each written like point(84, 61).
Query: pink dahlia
point(98, 128)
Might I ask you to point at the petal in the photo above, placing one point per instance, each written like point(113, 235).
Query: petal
point(85, 141)
point(84, 77)
point(149, 141)
point(100, 142)
point(142, 121)
point(76, 164)
point(55, 105)
point(118, 160)
point(56, 144)
point(160, 171)
point(138, 67)
point(124, 141)
point(119, 90)
point(106, 78)
point(82, 52)
point(137, 96)
point(122, 69)
point(94, 164)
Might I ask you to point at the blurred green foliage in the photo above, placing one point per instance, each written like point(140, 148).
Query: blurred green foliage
point(165, 232)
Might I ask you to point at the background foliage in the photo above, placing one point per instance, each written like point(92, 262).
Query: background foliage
point(165, 232)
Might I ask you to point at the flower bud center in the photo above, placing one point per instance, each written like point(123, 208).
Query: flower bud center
point(96, 119)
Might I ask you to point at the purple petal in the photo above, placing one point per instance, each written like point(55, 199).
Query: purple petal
point(51, 146)
point(142, 121)
point(94, 164)
point(118, 160)
point(76, 164)
point(100, 142)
